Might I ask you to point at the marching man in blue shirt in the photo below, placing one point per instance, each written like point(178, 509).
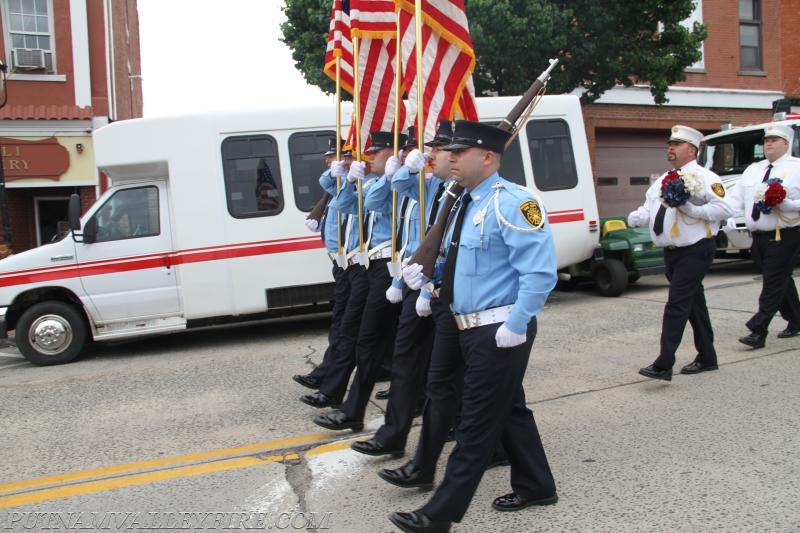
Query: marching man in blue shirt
point(499, 271)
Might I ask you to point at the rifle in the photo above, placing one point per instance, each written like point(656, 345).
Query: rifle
point(428, 249)
point(319, 208)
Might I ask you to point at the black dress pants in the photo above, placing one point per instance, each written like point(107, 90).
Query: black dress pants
point(686, 267)
point(341, 292)
point(375, 337)
point(493, 410)
point(344, 351)
point(778, 291)
point(412, 352)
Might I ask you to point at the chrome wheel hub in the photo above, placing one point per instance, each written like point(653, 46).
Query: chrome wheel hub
point(50, 334)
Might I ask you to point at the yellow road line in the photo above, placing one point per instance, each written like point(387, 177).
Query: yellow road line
point(159, 463)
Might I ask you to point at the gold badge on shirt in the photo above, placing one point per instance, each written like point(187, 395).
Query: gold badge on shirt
point(718, 189)
point(531, 212)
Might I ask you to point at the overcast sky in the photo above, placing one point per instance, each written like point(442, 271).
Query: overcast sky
point(207, 54)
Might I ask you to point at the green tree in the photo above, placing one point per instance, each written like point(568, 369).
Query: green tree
point(599, 44)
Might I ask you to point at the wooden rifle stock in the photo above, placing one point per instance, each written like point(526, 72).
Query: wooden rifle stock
point(316, 212)
point(428, 249)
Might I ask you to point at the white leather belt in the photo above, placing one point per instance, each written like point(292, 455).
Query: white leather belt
point(483, 318)
point(383, 253)
point(332, 256)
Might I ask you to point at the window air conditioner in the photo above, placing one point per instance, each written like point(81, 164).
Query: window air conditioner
point(33, 58)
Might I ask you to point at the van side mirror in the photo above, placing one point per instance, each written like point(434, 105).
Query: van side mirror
point(74, 212)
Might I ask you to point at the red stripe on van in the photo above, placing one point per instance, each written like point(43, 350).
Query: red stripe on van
point(126, 264)
point(568, 215)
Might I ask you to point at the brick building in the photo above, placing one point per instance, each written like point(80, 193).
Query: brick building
point(748, 62)
point(73, 66)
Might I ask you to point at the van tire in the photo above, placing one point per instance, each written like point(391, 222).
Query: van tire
point(51, 333)
point(610, 277)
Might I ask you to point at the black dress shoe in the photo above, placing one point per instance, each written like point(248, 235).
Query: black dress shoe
point(375, 448)
point(515, 502)
point(788, 332)
point(307, 380)
point(754, 340)
point(695, 367)
point(319, 400)
point(654, 372)
point(383, 394)
point(416, 522)
point(338, 421)
point(408, 476)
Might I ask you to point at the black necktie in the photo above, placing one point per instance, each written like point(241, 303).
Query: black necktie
point(402, 223)
point(756, 214)
point(449, 273)
point(658, 225)
point(435, 207)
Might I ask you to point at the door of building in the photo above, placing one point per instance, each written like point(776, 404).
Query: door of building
point(49, 212)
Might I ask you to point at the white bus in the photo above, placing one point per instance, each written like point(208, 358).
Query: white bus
point(204, 224)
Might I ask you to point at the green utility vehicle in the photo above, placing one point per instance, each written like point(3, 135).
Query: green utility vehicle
point(622, 256)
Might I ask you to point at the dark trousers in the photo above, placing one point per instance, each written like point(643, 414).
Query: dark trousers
point(445, 382)
point(493, 409)
point(412, 352)
point(341, 292)
point(686, 267)
point(375, 336)
point(778, 291)
point(344, 351)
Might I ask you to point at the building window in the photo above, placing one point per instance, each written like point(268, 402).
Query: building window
point(750, 34)
point(696, 16)
point(29, 34)
point(252, 176)
point(308, 163)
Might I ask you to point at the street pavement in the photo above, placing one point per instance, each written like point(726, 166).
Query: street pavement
point(711, 452)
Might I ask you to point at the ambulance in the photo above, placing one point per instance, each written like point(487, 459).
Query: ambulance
point(728, 153)
point(204, 224)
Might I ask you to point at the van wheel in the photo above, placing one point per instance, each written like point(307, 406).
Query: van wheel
point(51, 333)
point(610, 277)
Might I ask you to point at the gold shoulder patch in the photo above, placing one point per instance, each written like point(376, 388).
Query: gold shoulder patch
point(718, 189)
point(531, 212)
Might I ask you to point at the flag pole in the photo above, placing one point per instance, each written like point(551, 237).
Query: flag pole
point(420, 112)
point(341, 258)
point(394, 264)
point(362, 255)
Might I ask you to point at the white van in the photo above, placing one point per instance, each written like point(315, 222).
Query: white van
point(204, 224)
point(728, 153)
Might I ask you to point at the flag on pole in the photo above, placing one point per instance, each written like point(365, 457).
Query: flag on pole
point(340, 45)
point(448, 60)
point(374, 23)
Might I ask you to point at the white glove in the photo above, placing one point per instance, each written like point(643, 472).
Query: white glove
point(415, 161)
point(356, 171)
point(423, 306)
point(413, 276)
point(731, 224)
point(506, 338)
point(312, 224)
point(394, 295)
point(392, 166)
point(338, 169)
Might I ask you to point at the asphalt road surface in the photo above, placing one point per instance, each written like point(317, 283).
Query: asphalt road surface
point(203, 430)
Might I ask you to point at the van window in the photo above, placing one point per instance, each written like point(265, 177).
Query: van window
point(732, 154)
point(252, 176)
point(128, 214)
point(511, 164)
point(551, 155)
point(305, 151)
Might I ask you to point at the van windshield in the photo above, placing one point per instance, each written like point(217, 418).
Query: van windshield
point(732, 154)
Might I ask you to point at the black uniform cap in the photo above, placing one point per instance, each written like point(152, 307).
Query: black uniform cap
point(332, 147)
point(470, 134)
point(383, 139)
point(411, 139)
point(444, 134)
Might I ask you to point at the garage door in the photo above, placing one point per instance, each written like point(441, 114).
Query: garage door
point(626, 164)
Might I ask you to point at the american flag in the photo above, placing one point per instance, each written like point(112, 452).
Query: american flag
point(340, 45)
point(447, 60)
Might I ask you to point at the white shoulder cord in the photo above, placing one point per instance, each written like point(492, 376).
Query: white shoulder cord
point(502, 220)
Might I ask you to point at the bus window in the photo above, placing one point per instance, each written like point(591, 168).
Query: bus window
point(305, 152)
point(551, 155)
point(252, 176)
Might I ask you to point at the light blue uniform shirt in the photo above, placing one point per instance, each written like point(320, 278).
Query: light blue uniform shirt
point(499, 265)
point(407, 184)
point(328, 182)
point(378, 200)
point(348, 203)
